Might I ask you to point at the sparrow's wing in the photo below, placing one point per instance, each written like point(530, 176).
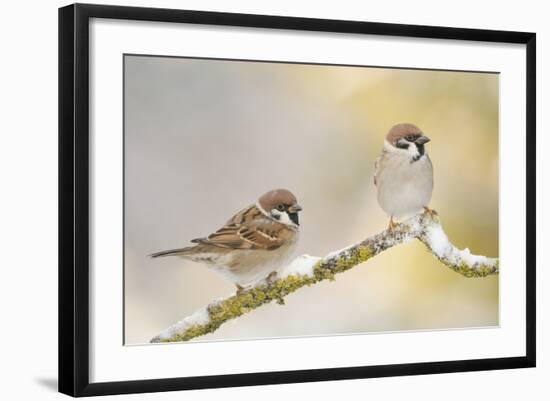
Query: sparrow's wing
point(248, 229)
point(376, 164)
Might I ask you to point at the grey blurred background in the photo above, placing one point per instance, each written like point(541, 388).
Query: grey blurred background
point(204, 138)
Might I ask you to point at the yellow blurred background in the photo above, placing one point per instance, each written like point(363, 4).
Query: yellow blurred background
point(205, 138)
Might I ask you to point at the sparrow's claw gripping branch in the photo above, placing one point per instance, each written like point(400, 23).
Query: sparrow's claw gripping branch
point(306, 270)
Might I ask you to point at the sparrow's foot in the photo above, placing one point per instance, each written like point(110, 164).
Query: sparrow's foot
point(271, 277)
point(239, 289)
point(392, 226)
point(429, 211)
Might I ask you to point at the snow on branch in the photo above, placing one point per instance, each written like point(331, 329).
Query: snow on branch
point(307, 270)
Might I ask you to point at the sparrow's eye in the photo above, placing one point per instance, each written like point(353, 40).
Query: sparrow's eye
point(281, 207)
point(410, 138)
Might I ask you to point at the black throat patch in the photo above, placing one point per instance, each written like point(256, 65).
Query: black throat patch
point(420, 152)
point(294, 218)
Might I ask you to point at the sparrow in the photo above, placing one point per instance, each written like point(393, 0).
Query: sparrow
point(403, 173)
point(253, 244)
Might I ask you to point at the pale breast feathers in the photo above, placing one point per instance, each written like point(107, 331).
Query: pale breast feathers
point(376, 166)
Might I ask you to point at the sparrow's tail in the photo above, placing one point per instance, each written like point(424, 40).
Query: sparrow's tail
point(174, 252)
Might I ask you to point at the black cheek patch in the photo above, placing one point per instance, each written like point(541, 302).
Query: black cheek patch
point(402, 145)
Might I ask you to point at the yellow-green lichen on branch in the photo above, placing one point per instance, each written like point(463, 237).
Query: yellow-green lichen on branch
point(306, 271)
point(250, 299)
point(480, 270)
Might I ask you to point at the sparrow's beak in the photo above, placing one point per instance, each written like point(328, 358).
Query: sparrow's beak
point(295, 208)
point(422, 140)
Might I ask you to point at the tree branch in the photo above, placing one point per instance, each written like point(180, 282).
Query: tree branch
point(307, 270)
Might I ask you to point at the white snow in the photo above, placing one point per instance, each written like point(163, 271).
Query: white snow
point(438, 240)
point(301, 266)
point(200, 317)
point(404, 240)
point(339, 252)
point(470, 259)
point(414, 225)
point(440, 246)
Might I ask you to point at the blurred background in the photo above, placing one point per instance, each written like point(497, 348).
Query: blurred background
point(205, 138)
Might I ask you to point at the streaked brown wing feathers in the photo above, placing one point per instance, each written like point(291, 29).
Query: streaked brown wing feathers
point(245, 231)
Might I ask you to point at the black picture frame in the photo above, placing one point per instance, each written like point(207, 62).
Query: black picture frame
point(74, 197)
